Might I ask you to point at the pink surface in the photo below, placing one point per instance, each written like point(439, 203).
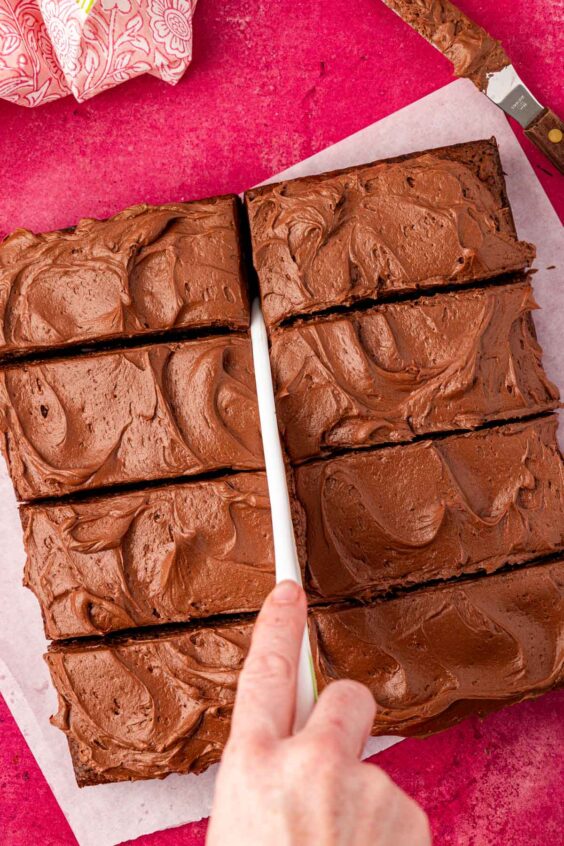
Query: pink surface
point(491, 783)
point(272, 83)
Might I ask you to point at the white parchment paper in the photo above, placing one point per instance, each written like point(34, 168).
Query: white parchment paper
point(108, 814)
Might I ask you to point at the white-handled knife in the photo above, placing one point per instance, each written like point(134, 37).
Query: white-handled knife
point(285, 551)
point(476, 55)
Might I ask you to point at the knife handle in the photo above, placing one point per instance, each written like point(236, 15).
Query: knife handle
point(547, 132)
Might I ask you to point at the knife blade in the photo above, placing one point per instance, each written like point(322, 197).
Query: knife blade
point(482, 59)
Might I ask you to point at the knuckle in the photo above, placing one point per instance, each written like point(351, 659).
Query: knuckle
point(266, 666)
point(305, 756)
point(321, 755)
point(256, 749)
point(347, 692)
point(378, 780)
point(247, 748)
point(328, 743)
point(336, 726)
point(276, 618)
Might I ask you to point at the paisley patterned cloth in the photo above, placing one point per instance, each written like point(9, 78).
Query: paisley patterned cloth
point(51, 48)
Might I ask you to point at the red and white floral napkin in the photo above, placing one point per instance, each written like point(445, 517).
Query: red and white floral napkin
point(51, 48)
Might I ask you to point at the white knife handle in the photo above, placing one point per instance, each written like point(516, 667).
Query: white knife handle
point(285, 551)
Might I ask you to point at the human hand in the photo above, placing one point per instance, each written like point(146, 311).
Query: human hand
point(275, 789)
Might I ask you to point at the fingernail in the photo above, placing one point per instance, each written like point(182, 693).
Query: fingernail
point(285, 592)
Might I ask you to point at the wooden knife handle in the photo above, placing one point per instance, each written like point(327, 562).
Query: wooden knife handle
point(547, 132)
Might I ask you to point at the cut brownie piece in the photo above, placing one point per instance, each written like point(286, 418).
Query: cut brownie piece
point(157, 555)
point(451, 361)
point(435, 656)
point(427, 219)
point(145, 707)
point(406, 515)
point(159, 411)
point(148, 269)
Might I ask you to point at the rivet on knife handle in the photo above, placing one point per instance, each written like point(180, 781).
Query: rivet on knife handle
point(547, 132)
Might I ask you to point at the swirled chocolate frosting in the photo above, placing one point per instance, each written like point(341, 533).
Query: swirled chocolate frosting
point(153, 556)
point(424, 220)
point(473, 52)
point(451, 361)
point(435, 656)
point(430, 657)
point(159, 411)
point(148, 269)
point(164, 705)
point(434, 509)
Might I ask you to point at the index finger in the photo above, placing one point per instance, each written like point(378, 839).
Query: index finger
point(266, 693)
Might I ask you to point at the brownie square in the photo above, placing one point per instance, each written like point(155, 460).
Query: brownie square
point(429, 219)
point(435, 509)
point(144, 707)
point(435, 656)
point(159, 411)
point(148, 269)
point(160, 555)
point(399, 370)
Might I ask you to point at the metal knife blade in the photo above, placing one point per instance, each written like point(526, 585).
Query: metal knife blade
point(507, 90)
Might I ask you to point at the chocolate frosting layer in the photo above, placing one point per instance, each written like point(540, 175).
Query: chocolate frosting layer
point(145, 708)
point(435, 656)
point(451, 361)
point(154, 556)
point(155, 412)
point(430, 657)
point(471, 50)
point(150, 268)
point(424, 220)
point(432, 510)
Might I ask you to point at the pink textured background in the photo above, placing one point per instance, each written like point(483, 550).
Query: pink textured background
point(272, 83)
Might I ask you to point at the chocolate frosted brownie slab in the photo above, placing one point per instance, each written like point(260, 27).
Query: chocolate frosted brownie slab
point(159, 411)
point(160, 555)
point(435, 509)
point(435, 656)
point(148, 269)
point(146, 707)
point(435, 218)
point(451, 361)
